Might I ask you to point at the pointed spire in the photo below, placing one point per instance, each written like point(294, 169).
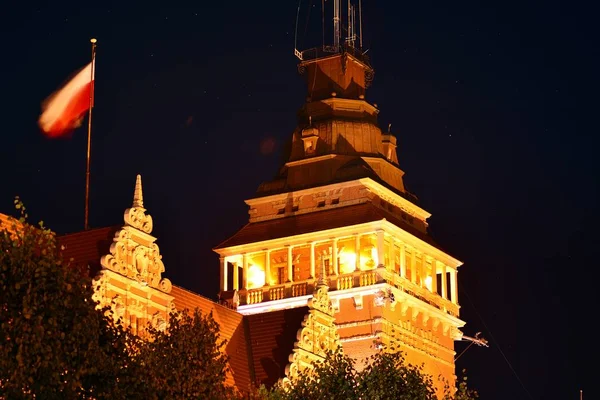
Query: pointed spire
point(138, 198)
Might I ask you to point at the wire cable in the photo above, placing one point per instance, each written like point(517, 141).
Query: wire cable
point(495, 342)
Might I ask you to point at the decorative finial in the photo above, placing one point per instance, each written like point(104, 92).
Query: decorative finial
point(93, 41)
point(322, 281)
point(138, 198)
point(389, 128)
point(310, 120)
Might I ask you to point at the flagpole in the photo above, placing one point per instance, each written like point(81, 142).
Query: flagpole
point(89, 137)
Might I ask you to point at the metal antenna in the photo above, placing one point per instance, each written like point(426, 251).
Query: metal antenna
point(349, 30)
point(297, 52)
point(360, 22)
point(336, 24)
point(323, 22)
point(479, 341)
point(353, 25)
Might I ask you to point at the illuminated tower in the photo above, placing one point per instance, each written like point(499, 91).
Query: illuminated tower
point(340, 200)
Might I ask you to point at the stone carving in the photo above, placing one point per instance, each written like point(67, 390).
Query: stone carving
point(133, 252)
point(99, 284)
point(137, 218)
point(136, 215)
point(118, 307)
point(318, 334)
point(137, 261)
point(158, 321)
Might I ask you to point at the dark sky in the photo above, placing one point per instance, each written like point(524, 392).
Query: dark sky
point(494, 108)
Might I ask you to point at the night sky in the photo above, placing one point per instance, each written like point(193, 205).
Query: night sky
point(494, 108)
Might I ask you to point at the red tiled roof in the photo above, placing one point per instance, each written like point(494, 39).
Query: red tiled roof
point(272, 336)
point(87, 247)
point(318, 221)
point(4, 220)
point(258, 346)
point(8, 223)
point(231, 329)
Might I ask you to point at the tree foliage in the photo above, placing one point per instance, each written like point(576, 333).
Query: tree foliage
point(386, 376)
point(56, 344)
point(186, 361)
point(53, 341)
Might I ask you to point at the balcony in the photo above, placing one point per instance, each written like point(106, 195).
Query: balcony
point(344, 282)
point(421, 293)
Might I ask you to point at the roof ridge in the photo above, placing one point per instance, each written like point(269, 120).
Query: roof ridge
point(83, 232)
point(207, 298)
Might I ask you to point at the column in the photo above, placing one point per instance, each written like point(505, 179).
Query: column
point(245, 271)
point(380, 248)
point(290, 265)
point(413, 265)
point(453, 291)
point(223, 264)
point(267, 267)
point(403, 260)
point(312, 260)
point(392, 255)
point(423, 270)
point(236, 276)
point(334, 255)
point(443, 282)
point(357, 250)
point(433, 275)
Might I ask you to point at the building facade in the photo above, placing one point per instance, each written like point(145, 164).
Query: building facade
point(340, 204)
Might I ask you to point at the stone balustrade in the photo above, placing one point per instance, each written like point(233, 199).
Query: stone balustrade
point(348, 281)
point(421, 293)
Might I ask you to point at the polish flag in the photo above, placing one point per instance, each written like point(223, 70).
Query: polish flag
point(64, 110)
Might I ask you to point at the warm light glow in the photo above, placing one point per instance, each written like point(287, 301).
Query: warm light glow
point(256, 277)
point(347, 262)
point(428, 282)
point(375, 256)
point(369, 262)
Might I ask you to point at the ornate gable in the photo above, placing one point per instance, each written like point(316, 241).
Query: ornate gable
point(318, 334)
point(131, 277)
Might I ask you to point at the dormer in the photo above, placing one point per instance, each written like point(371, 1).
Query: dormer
point(310, 137)
point(389, 147)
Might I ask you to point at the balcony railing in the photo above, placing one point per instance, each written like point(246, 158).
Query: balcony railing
point(421, 293)
point(348, 281)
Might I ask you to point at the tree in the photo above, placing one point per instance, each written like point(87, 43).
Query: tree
point(387, 376)
point(54, 343)
point(185, 361)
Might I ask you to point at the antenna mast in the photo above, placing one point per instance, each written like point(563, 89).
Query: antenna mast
point(360, 22)
point(349, 30)
point(336, 24)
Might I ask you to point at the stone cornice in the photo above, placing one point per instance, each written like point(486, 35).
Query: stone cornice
point(395, 199)
point(302, 192)
point(301, 240)
point(421, 245)
point(346, 231)
point(310, 160)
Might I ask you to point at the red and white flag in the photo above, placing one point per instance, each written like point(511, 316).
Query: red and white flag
point(64, 110)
